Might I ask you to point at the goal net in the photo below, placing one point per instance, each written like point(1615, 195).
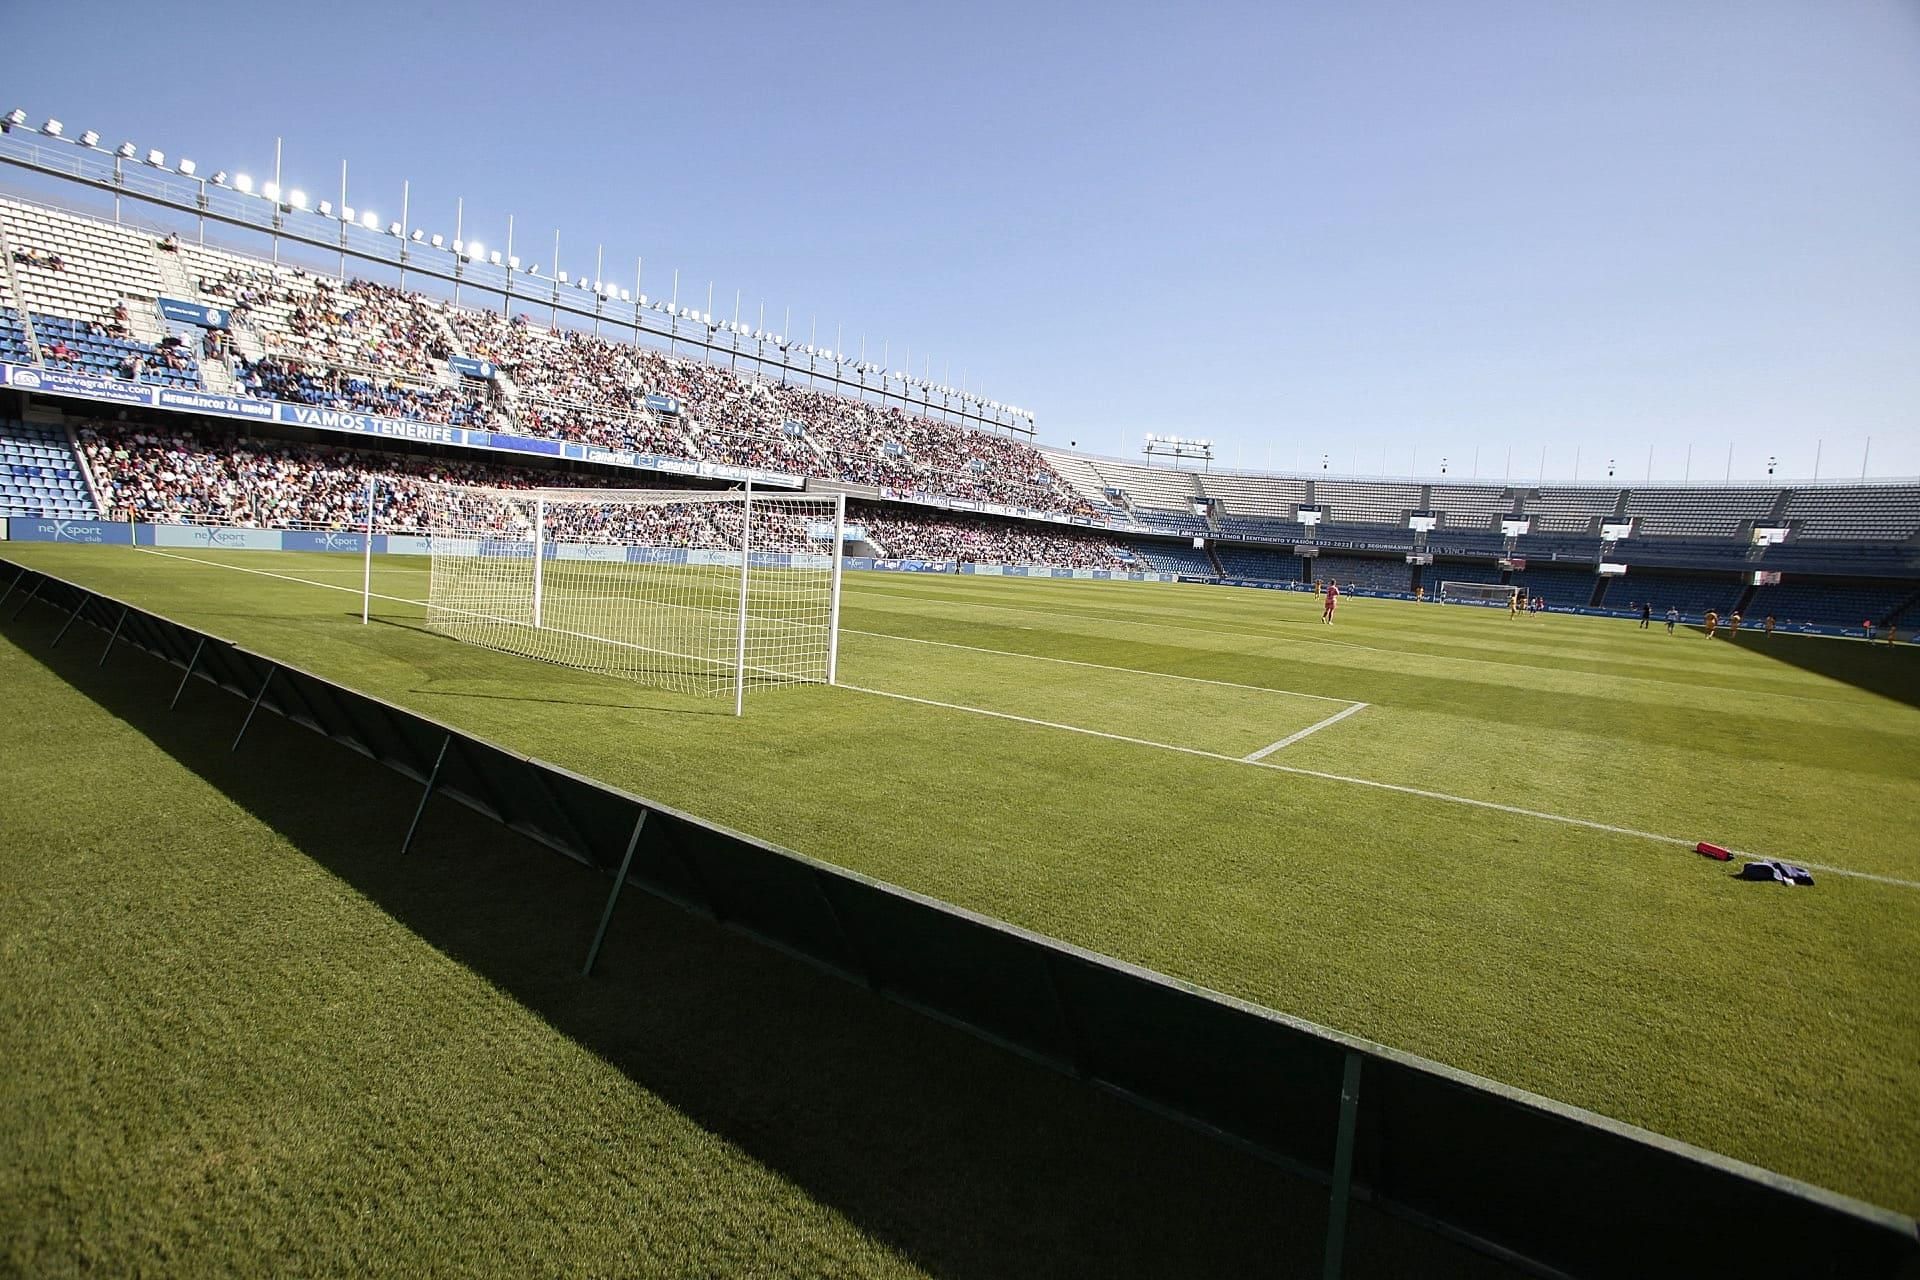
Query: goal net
point(700, 592)
point(1478, 592)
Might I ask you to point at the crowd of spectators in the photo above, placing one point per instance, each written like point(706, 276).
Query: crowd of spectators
point(291, 381)
point(575, 385)
point(983, 541)
point(197, 474)
point(203, 475)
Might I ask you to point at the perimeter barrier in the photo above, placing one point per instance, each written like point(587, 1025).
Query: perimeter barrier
point(1551, 1188)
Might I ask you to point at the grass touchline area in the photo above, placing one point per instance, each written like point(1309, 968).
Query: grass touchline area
point(1506, 905)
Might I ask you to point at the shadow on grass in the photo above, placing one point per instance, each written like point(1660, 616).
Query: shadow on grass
point(972, 1162)
point(1892, 671)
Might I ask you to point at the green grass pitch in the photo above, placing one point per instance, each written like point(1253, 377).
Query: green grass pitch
point(1436, 827)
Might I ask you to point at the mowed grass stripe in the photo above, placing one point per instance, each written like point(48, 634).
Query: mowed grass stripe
point(1612, 972)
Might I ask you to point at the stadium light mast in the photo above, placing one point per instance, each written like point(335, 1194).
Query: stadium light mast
point(1178, 447)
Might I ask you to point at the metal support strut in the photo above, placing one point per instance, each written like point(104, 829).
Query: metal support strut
point(118, 622)
point(271, 668)
point(187, 675)
point(421, 808)
point(619, 882)
point(11, 585)
point(32, 591)
point(1342, 1167)
point(62, 634)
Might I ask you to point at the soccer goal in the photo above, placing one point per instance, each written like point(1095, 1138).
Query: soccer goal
point(1478, 593)
point(701, 592)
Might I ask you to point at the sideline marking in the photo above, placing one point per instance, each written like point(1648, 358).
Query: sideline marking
point(1424, 794)
point(1292, 738)
point(1100, 666)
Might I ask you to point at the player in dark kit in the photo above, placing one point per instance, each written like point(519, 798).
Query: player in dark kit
point(1646, 615)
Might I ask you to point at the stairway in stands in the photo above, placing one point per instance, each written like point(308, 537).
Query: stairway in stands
point(40, 475)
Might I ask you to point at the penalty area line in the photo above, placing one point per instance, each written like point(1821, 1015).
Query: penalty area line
point(1310, 730)
point(1419, 792)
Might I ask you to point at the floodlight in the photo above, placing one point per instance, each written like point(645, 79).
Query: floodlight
point(219, 178)
point(438, 241)
point(369, 219)
point(158, 159)
point(395, 230)
point(125, 151)
point(626, 296)
point(297, 198)
point(188, 167)
point(90, 139)
point(324, 209)
point(476, 250)
point(513, 262)
point(15, 118)
point(243, 184)
point(418, 235)
point(596, 286)
point(565, 278)
point(271, 190)
point(459, 246)
point(346, 211)
point(643, 301)
point(494, 257)
point(52, 127)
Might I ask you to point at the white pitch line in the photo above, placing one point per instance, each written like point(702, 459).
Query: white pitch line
point(1420, 792)
point(1100, 666)
point(1167, 746)
point(1311, 729)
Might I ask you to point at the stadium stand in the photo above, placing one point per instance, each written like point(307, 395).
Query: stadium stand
point(1173, 557)
point(1868, 513)
point(1259, 564)
point(1350, 502)
point(1262, 529)
point(1561, 586)
point(39, 474)
point(1698, 512)
point(1267, 497)
point(983, 541)
point(80, 294)
point(1570, 510)
point(1469, 507)
point(1365, 572)
point(1692, 594)
point(1836, 604)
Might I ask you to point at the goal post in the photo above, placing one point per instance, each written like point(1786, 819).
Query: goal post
point(695, 591)
point(1478, 593)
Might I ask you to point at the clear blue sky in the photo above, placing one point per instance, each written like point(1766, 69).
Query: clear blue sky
point(1357, 228)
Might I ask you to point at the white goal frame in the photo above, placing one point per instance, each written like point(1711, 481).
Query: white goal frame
point(1490, 593)
point(700, 591)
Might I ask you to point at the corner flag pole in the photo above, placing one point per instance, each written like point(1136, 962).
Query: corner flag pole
point(740, 661)
point(833, 607)
point(366, 569)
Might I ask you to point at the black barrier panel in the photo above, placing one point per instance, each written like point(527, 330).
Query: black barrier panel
point(768, 892)
point(604, 817)
point(988, 977)
point(1517, 1175)
point(1244, 1072)
point(1594, 1198)
point(664, 863)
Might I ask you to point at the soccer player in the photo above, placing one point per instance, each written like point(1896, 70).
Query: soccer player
point(1646, 614)
point(1713, 622)
point(1513, 606)
point(1893, 634)
point(1673, 616)
point(1733, 623)
point(1333, 600)
point(1769, 624)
